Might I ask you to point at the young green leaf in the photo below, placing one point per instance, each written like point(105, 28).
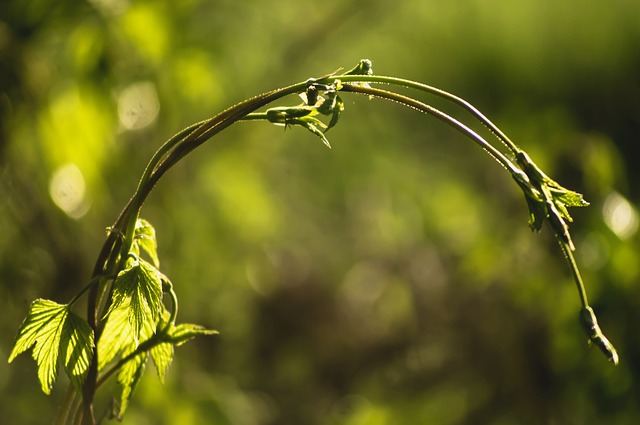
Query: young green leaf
point(162, 355)
point(180, 334)
point(118, 338)
point(145, 238)
point(47, 349)
point(569, 197)
point(139, 286)
point(313, 125)
point(118, 335)
point(546, 198)
point(40, 313)
point(42, 329)
point(559, 196)
point(129, 376)
point(76, 345)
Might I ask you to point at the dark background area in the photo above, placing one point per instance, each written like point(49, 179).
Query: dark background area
point(390, 280)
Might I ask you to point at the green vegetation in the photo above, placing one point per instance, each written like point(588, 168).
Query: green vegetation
point(408, 286)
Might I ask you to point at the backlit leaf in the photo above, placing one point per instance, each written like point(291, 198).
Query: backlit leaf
point(40, 313)
point(569, 197)
point(76, 346)
point(129, 376)
point(42, 329)
point(145, 238)
point(140, 287)
point(162, 354)
point(118, 335)
point(180, 334)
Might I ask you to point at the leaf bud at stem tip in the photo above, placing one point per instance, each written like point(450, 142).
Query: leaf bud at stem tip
point(592, 329)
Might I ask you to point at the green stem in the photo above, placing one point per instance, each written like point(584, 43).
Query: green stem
point(187, 140)
point(211, 127)
point(422, 107)
point(174, 308)
point(430, 110)
point(499, 134)
point(255, 116)
point(163, 150)
point(568, 255)
point(129, 216)
point(79, 416)
point(65, 408)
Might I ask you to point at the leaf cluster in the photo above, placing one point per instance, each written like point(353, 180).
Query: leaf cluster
point(136, 325)
point(546, 198)
point(57, 335)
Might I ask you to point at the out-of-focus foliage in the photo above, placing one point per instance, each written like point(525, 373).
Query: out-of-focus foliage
point(390, 280)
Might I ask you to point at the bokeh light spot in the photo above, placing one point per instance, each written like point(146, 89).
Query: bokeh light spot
point(67, 190)
point(620, 216)
point(138, 105)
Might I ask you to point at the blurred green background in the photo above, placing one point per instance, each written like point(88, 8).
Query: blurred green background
point(390, 280)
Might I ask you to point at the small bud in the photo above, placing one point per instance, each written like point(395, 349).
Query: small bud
point(364, 67)
point(590, 325)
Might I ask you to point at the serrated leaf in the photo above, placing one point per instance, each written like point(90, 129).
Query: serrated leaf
point(145, 239)
point(76, 345)
point(180, 334)
point(563, 198)
point(140, 287)
point(118, 335)
point(40, 313)
point(47, 349)
point(569, 197)
point(560, 197)
point(162, 355)
point(42, 329)
point(129, 376)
